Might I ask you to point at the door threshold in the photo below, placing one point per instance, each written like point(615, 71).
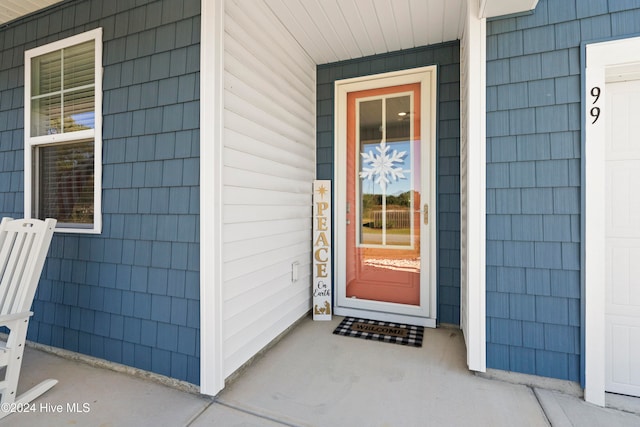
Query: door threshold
point(427, 322)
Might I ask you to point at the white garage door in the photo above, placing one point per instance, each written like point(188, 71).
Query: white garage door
point(622, 315)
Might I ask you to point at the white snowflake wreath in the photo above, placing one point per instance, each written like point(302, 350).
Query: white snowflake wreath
point(381, 166)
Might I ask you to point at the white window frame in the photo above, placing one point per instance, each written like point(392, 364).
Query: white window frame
point(94, 134)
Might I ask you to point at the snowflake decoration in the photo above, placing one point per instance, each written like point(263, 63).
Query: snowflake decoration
point(381, 166)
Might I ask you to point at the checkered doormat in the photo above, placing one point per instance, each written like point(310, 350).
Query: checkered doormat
point(396, 333)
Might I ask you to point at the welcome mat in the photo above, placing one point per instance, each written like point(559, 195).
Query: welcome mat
point(396, 333)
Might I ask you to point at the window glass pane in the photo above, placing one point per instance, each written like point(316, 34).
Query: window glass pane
point(45, 74)
point(63, 90)
point(78, 110)
point(65, 183)
point(79, 65)
point(45, 116)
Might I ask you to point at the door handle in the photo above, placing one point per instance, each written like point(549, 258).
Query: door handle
point(426, 214)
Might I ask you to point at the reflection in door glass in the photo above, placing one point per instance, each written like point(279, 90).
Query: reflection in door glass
point(386, 193)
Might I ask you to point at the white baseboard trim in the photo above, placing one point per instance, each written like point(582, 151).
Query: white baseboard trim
point(116, 367)
point(563, 386)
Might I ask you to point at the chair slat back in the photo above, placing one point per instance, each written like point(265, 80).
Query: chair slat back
point(23, 248)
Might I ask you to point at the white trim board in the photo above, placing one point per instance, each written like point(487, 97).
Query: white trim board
point(493, 8)
point(604, 61)
point(473, 163)
point(211, 138)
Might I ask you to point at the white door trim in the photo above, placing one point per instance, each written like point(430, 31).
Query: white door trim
point(602, 62)
point(211, 141)
point(426, 314)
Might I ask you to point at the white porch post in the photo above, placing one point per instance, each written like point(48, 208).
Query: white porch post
point(473, 161)
point(211, 141)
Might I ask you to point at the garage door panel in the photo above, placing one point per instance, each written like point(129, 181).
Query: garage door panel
point(622, 238)
point(623, 348)
point(623, 270)
point(623, 103)
point(623, 212)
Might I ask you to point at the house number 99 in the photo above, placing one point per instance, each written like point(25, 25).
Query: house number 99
point(595, 111)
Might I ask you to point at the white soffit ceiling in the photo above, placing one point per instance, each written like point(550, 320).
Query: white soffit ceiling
point(336, 30)
point(13, 9)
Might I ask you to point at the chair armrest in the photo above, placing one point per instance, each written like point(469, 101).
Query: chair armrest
point(6, 318)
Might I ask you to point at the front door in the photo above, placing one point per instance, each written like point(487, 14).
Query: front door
point(385, 197)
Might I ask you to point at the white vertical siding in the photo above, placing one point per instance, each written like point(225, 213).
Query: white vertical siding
point(269, 167)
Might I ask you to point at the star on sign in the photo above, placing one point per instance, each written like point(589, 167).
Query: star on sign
point(322, 191)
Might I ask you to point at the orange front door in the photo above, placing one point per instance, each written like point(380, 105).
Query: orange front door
point(384, 207)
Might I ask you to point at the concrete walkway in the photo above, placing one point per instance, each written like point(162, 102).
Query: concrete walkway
point(314, 378)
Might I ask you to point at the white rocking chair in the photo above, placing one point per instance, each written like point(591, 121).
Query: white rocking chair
point(23, 248)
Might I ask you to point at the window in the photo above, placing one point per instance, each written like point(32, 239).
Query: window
point(63, 132)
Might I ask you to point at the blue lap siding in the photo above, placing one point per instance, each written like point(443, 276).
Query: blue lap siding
point(534, 181)
point(447, 58)
point(130, 294)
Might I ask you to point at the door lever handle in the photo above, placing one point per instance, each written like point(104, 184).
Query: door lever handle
point(426, 214)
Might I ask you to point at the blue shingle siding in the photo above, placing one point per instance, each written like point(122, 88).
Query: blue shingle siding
point(447, 57)
point(533, 181)
point(129, 295)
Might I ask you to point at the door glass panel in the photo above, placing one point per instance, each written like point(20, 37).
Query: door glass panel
point(370, 136)
point(399, 197)
point(386, 172)
point(383, 187)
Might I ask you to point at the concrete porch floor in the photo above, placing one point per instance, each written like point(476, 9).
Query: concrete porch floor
point(314, 378)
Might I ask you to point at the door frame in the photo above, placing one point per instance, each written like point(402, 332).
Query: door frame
point(425, 315)
point(603, 61)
